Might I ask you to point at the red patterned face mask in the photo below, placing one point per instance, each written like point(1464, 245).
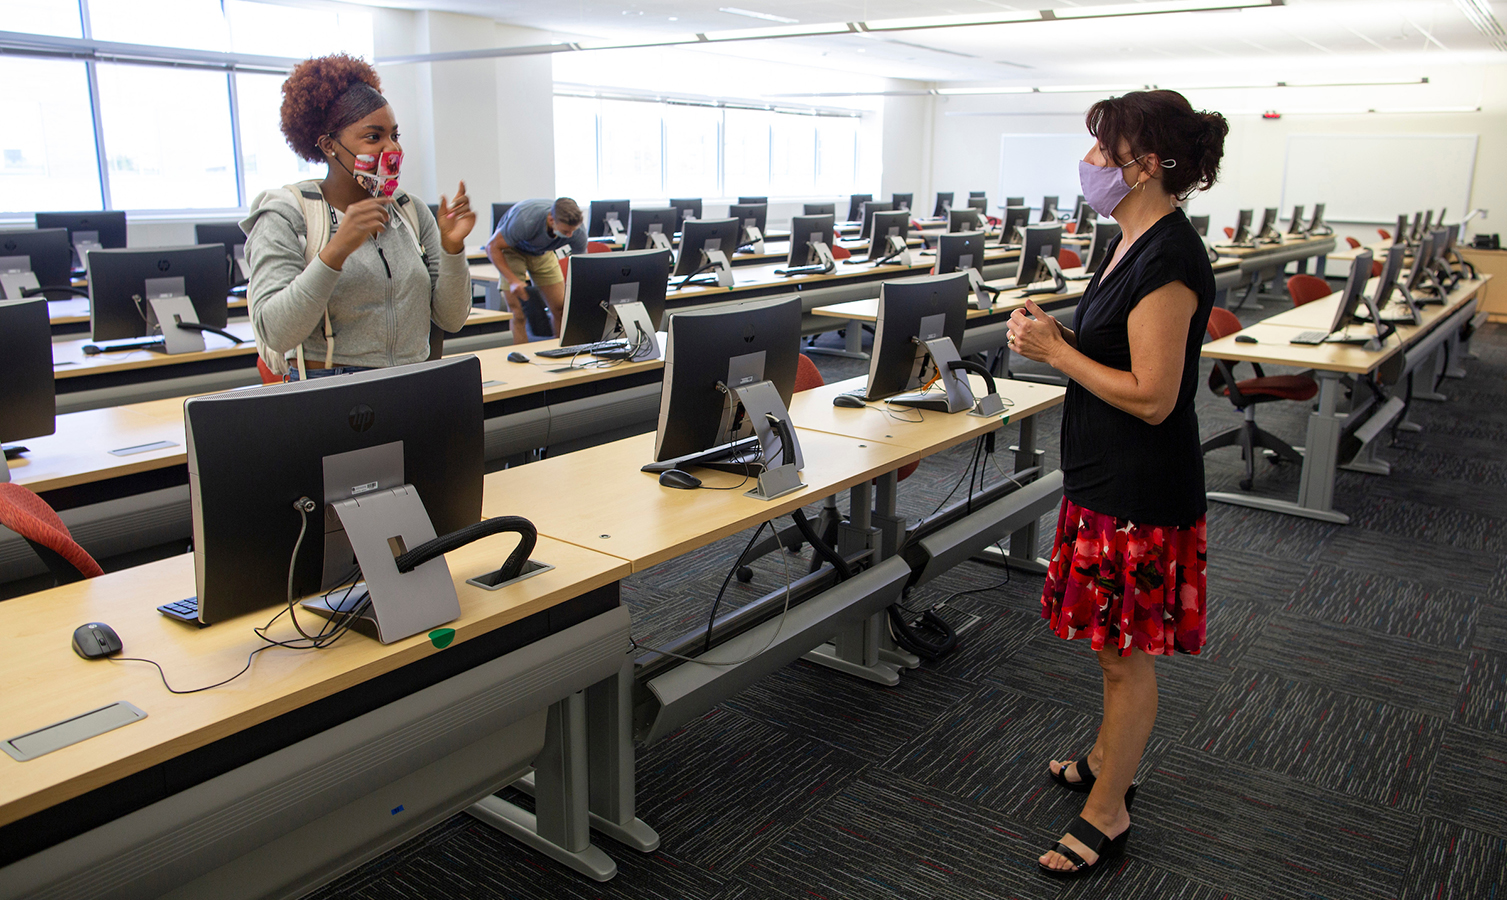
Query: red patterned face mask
point(379, 174)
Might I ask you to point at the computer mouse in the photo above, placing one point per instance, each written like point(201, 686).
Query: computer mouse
point(91, 350)
point(1245, 339)
point(848, 401)
point(515, 356)
point(679, 478)
point(95, 640)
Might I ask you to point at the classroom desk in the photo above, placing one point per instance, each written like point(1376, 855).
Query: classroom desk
point(75, 311)
point(1264, 262)
point(312, 762)
point(1329, 363)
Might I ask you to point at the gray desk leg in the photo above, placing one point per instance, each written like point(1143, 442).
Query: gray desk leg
point(1024, 543)
point(1318, 268)
point(1245, 299)
point(856, 650)
point(561, 827)
point(1458, 351)
point(1316, 489)
point(891, 532)
point(609, 748)
point(1435, 374)
point(1303, 265)
point(852, 343)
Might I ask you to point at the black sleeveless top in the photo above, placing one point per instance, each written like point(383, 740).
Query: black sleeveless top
point(1113, 462)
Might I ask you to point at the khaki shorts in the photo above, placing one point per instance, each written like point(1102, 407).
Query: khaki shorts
point(543, 269)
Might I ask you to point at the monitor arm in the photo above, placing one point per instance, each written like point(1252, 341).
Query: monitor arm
point(201, 327)
point(58, 288)
point(511, 568)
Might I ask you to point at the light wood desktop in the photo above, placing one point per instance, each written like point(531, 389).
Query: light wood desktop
point(1009, 299)
point(1289, 242)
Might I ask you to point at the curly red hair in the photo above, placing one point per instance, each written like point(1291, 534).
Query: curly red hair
point(312, 97)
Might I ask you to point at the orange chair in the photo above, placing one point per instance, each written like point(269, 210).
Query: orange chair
point(1385, 234)
point(1245, 395)
point(1376, 268)
point(1068, 259)
point(268, 376)
point(1229, 232)
point(838, 252)
point(598, 247)
point(29, 516)
point(1307, 288)
point(1354, 244)
point(1070, 228)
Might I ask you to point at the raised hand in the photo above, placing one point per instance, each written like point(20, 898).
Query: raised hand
point(455, 219)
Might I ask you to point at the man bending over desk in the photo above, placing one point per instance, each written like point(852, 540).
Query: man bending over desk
point(525, 243)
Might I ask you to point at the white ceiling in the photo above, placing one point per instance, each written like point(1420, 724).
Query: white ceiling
point(1275, 43)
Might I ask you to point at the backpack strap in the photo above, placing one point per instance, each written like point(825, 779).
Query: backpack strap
point(316, 217)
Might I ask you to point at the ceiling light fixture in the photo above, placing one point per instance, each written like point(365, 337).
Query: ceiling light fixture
point(1479, 14)
point(755, 14)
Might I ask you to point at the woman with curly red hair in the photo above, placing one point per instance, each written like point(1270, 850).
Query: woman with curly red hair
point(357, 285)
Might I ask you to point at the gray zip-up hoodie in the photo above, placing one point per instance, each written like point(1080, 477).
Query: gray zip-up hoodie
point(380, 301)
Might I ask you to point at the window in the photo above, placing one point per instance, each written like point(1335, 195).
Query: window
point(792, 154)
point(576, 147)
point(190, 24)
point(631, 158)
point(266, 159)
point(55, 17)
point(745, 152)
point(270, 30)
point(167, 138)
point(691, 151)
point(47, 157)
point(836, 155)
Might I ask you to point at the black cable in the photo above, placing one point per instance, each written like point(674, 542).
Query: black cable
point(712, 616)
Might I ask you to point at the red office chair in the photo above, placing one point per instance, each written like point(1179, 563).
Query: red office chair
point(1070, 228)
point(598, 247)
point(1068, 259)
point(838, 252)
point(268, 376)
point(1376, 268)
point(1354, 244)
point(1245, 395)
point(1307, 288)
point(29, 516)
point(1229, 232)
point(1385, 234)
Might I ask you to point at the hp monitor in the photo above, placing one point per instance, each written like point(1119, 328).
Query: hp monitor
point(88, 230)
point(253, 453)
point(233, 239)
point(27, 400)
point(1042, 241)
point(869, 209)
point(1098, 248)
point(956, 252)
point(598, 281)
point(1416, 275)
point(686, 208)
point(1083, 222)
point(820, 209)
point(643, 222)
point(1243, 227)
point(604, 211)
point(944, 203)
point(1415, 233)
point(1015, 201)
point(967, 219)
point(1318, 226)
point(885, 225)
point(855, 206)
point(1400, 236)
point(1428, 222)
point(700, 235)
point(1013, 229)
point(1296, 225)
point(1048, 209)
point(752, 215)
point(1354, 293)
point(753, 201)
point(123, 282)
point(1200, 224)
point(1391, 270)
point(903, 201)
point(806, 231)
point(979, 203)
point(1268, 231)
point(499, 210)
point(45, 253)
point(913, 310)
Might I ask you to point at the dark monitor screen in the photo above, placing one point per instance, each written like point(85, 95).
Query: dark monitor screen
point(1354, 290)
point(643, 220)
point(1415, 232)
point(228, 235)
point(1049, 209)
point(1428, 221)
point(598, 280)
point(820, 209)
point(956, 252)
point(1318, 217)
point(252, 453)
point(1390, 271)
point(805, 230)
point(1268, 221)
point(601, 211)
point(1200, 224)
point(944, 203)
point(751, 214)
point(108, 229)
point(48, 255)
point(869, 209)
point(1420, 263)
point(700, 235)
point(1296, 225)
point(912, 310)
point(885, 224)
point(753, 201)
point(1243, 226)
point(855, 205)
point(1015, 201)
point(686, 208)
point(1400, 236)
point(967, 219)
point(1083, 222)
point(1098, 248)
point(979, 203)
point(1451, 235)
point(27, 401)
point(976, 195)
point(1015, 217)
point(118, 288)
point(1041, 241)
point(903, 201)
point(1441, 238)
point(732, 345)
point(498, 211)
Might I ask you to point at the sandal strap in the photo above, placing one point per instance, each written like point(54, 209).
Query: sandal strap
point(1070, 855)
point(1085, 774)
point(1088, 835)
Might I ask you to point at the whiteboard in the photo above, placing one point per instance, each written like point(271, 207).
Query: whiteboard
point(1037, 165)
point(1376, 177)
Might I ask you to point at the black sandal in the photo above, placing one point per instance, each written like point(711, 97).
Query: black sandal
point(1086, 781)
point(1092, 838)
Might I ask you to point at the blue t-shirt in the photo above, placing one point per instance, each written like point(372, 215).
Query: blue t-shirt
point(525, 229)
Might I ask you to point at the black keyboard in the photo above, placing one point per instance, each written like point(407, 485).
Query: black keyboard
point(1309, 337)
point(185, 610)
point(149, 343)
point(575, 349)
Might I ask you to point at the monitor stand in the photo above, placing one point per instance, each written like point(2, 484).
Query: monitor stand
point(16, 277)
point(718, 260)
point(983, 294)
point(896, 252)
point(632, 318)
point(83, 243)
point(755, 239)
point(958, 396)
point(614, 227)
point(658, 240)
point(774, 452)
point(169, 312)
point(1059, 280)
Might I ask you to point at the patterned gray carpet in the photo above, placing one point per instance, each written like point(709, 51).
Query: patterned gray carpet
point(1341, 736)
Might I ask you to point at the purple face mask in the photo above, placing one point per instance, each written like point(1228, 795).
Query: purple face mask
point(1103, 186)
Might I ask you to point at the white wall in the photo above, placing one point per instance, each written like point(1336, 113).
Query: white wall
point(907, 126)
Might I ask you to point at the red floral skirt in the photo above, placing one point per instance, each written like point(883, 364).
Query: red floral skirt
point(1125, 585)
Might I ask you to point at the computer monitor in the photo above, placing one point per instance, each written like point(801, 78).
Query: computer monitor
point(1353, 292)
point(1428, 221)
point(45, 253)
point(752, 215)
point(1420, 264)
point(967, 219)
point(1318, 226)
point(1015, 201)
point(976, 195)
point(820, 209)
point(122, 281)
point(1083, 220)
point(604, 210)
point(1416, 232)
point(707, 352)
point(700, 235)
point(1400, 236)
point(1296, 225)
point(956, 252)
point(884, 225)
point(1098, 248)
point(686, 208)
point(1041, 241)
point(750, 201)
point(1016, 217)
point(855, 206)
point(498, 211)
point(807, 230)
point(902, 201)
point(597, 281)
point(28, 407)
point(979, 203)
point(644, 221)
point(1243, 227)
point(1200, 224)
point(1268, 230)
point(1451, 237)
point(1048, 209)
point(101, 230)
point(253, 453)
point(1391, 270)
point(869, 209)
point(912, 310)
point(230, 236)
point(944, 203)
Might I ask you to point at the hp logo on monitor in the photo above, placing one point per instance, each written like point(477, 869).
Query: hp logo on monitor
point(748, 334)
point(164, 264)
point(10, 245)
point(362, 418)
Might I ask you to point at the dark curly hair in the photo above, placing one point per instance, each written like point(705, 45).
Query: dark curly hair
point(1165, 123)
point(324, 95)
